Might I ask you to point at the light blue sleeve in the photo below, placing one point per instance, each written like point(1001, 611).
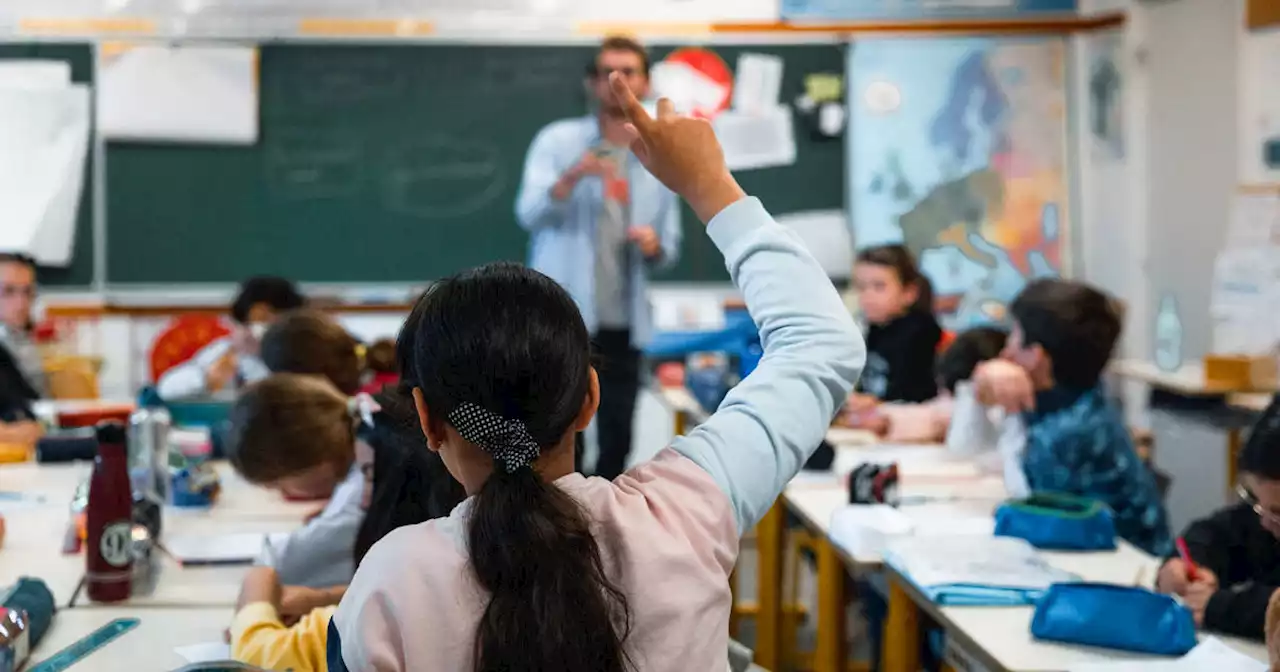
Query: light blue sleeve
point(813, 352)
point(187, 380)
point(535, 208)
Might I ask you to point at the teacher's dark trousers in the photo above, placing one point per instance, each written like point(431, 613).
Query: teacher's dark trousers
point(618, 365)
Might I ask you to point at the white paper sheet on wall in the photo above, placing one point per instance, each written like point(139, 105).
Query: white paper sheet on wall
point(194, 94)
point(758, 82)
point(757, 140)
point(44, 139)
point(41, 74)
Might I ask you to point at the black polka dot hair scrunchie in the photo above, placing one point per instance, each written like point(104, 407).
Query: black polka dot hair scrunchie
point(508, 442)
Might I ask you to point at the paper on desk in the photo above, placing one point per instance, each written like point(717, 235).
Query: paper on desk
point(217, 548)
point(758, 83)
point(207, 652)
point(752, 140)
point(973, 560)
point(1211, 654)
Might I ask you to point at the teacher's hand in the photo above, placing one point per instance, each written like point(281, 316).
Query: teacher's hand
point(681, 152)
point(647, 240)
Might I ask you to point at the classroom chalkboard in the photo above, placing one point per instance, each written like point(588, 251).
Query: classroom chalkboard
point(80, 57)
point(393, 164)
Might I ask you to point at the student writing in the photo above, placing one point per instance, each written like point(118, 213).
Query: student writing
point(280, 627)
point(232, 361)
point(542, 568)
point(902, 335)
point(1062, 338)
point(1235, 551)
point(296, 434)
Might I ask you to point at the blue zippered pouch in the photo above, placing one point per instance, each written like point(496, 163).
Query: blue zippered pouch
point(1114, 617)
point(1058, 522)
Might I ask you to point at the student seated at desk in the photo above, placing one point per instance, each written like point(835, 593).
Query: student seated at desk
point(311, 342)
point(232, 361)
point(296, 434)
point(1063, 335)
point(285, 627)
point(1236, 552)
point(902, 334)
point(21, 375)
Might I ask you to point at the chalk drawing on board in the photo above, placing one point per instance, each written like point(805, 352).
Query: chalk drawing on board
point(358, 81)
point(312, 167)
point(440, 177)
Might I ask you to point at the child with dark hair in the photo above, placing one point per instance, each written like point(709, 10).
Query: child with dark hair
point(381, 365)
point(230, 362)
point(896, 301)
point(542, 568)
point(1063, 336)
point(285, 627)
point(1235, 550)
point(929, 421)
point(311, 342)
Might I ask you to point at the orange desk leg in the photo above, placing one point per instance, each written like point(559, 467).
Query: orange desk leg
point(901, 646)
point(769, 621)
point(830, 655)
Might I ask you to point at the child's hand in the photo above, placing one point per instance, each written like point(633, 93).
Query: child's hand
point(682, 152)
point(297, 601)
point(1197, 599)
point(861, 403)
point(221, 373)
point(261, 584)
point(1172, 579)
point(1004, 384)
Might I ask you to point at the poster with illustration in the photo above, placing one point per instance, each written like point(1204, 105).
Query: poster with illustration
point(958, 150)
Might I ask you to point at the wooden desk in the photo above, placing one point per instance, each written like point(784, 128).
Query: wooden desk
point(147, 648)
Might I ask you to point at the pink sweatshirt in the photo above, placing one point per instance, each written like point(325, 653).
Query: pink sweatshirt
point(668, 530)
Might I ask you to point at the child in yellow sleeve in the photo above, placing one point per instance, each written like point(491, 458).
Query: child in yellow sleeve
point(404, 484)
point(259, 636)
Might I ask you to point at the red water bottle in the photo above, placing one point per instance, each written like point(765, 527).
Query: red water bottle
point(109, 526)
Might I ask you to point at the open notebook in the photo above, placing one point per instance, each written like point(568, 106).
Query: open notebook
point(223, 549)
point(973, 570)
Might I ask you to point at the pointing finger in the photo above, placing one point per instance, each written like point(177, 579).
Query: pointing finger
point(666, 108)
point(635, 112)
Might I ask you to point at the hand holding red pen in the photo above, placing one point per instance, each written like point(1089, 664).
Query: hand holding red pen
point(1178, 575)
point(1186, 559)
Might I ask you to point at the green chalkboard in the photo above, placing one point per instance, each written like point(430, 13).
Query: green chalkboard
point(80, 56)
point(391, 164)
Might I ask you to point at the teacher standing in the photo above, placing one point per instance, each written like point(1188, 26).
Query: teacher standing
point(598, 224)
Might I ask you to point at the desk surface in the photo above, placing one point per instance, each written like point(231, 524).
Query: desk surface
point(998, 637)
point(1187, 381)
point(35, 530)
point(147, 648)
point(1250, 401)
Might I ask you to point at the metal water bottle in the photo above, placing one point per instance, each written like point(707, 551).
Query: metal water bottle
point(149, 453)
point(108, 548)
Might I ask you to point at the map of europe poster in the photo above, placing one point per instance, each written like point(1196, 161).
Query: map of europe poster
point(957, 149)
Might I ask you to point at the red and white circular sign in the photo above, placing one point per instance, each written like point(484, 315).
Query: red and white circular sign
point(696, 80)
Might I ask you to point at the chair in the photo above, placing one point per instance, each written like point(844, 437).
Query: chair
point(72, 376)
point(182, 339)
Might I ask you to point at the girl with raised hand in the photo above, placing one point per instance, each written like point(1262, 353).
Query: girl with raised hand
point(542, 568)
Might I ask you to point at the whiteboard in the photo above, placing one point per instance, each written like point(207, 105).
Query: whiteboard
point(187, 94)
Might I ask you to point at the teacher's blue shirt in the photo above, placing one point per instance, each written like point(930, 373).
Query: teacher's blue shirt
point(563, 233)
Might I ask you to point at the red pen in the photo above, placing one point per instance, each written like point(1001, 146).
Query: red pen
point(1186, 558)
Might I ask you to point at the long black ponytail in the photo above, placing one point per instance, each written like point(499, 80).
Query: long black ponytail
point(503, 353)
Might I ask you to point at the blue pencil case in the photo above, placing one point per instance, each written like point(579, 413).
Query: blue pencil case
point(1114, 617)
point(1058, 522)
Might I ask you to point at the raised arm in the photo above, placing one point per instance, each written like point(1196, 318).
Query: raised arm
point(813, 352)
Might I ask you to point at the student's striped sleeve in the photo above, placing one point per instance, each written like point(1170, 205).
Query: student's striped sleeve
point(770, 423)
